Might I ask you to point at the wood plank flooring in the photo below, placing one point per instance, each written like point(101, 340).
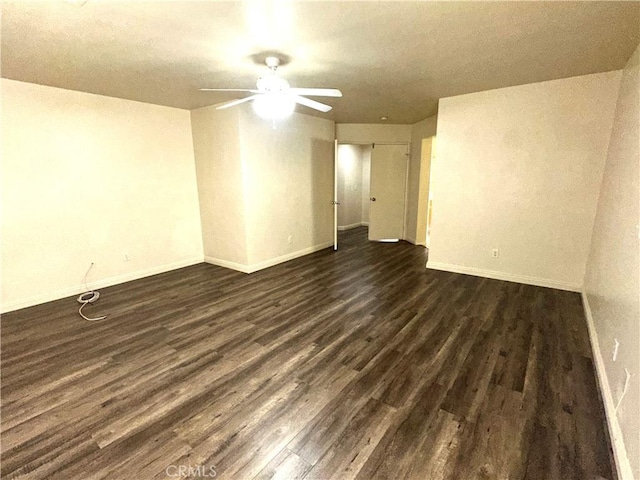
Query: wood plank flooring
point(356, 364)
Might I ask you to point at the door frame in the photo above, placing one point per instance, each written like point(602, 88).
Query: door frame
point(406, 178)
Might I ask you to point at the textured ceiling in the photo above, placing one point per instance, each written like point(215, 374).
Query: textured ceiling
point(388, 58)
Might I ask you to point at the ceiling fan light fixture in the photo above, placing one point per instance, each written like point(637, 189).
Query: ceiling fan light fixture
point(274, 106)
point(274, 99)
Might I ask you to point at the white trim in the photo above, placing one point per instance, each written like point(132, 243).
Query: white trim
point(373, 142)
point(105, 282)
point(405, 207)
point(509, 277)
point(365, 224)
point(240, 267)
point(623, 466)
point(267, 263)
point(350, 226)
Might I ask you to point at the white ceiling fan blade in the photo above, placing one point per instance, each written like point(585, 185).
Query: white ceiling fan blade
point(307, 102)
point(316, 92)
point(228, 90)
point(233, 103)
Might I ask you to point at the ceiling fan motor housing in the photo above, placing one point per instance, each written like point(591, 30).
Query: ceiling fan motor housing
point(272, 62)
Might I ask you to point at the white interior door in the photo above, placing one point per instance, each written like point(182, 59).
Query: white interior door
point(335, 195)
point(387, 192)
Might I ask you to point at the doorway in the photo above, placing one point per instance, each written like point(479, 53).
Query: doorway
point(425, 200)
point(371, 189)
point(352, 191)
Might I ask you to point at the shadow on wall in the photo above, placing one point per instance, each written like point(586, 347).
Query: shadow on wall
point(322, 172)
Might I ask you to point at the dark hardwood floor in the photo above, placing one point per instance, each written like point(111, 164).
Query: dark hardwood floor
point(351, 364)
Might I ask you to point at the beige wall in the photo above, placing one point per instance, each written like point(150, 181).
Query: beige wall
point(612, 280)
point(87, 178)
point(419, 131)
point(288, 181)
point(265, 194)
point(372, 132)
point(219, 168)
point(350, 166)
point(519, 169)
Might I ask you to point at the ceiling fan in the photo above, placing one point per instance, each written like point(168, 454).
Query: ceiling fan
point(274, 98)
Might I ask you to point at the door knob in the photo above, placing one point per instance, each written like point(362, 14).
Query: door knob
point(373, 199)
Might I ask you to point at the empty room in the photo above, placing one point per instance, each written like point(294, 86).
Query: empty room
point(282, 239)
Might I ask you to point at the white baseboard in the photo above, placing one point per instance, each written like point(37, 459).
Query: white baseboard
point(623, 465)
point(240, 267)
point(105, 282)
point(509, 277)
point(266, 263)
point(415, 242)
point(349, 227)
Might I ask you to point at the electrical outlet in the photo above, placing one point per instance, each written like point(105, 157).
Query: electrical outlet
point(616, 345)
point(126, 257)
point(290, 239)
point(495, 253)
